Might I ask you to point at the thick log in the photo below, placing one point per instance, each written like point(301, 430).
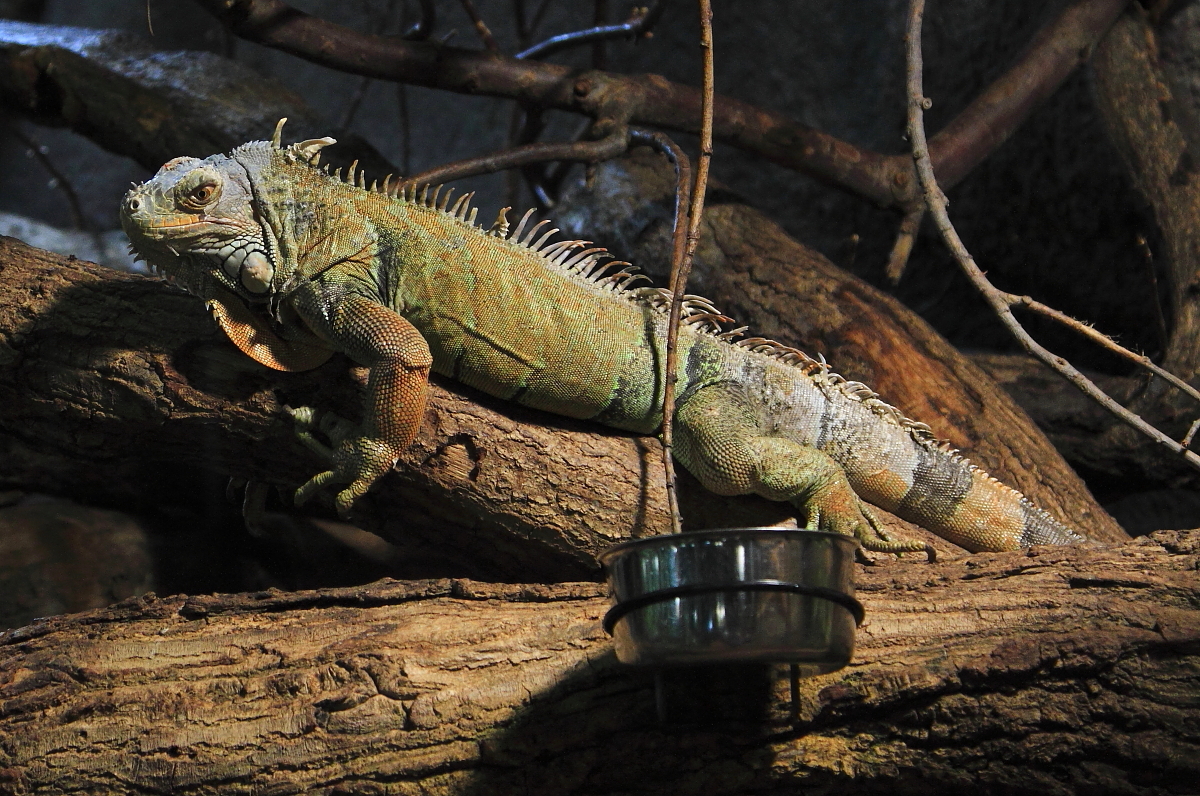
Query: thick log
point(1050, 671)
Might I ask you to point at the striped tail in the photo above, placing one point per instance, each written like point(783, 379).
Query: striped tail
point(964, 505)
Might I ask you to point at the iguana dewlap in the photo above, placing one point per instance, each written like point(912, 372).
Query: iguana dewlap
point(297, 263)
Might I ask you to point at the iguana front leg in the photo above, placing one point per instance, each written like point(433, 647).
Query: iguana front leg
point(399, 359)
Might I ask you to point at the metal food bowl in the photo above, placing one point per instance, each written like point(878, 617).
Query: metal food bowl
point(734, 596)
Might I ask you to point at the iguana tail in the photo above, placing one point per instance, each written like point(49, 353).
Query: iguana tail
point(938, 489)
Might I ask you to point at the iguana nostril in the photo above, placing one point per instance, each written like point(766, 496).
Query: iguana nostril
point(134, 204)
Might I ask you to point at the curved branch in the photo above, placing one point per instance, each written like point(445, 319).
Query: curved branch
point(1002, 302)
point(652, 100)
point(576, 151)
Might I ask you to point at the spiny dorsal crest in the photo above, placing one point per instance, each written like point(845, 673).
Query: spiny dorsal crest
point(597, 267)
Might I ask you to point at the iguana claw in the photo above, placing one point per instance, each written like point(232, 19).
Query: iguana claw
point(356, 460)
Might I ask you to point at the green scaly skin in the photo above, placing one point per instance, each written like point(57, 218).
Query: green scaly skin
point(296, 263)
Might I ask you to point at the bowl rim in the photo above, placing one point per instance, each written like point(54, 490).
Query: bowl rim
point(617, 550)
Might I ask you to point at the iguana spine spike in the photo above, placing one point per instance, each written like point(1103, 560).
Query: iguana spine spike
point(528, 239)
point(445, 199)
point(374, 186)
point(454, 211)
point(277, 136)
point(350, 172)
point(337, 175)
point(499, 227)
point(471, 217)
point(595, 266)
point(387, 189)
point(537, 247)
point(575, 261)
point(520, 226)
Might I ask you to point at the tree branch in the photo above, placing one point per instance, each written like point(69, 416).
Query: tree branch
point(527, 154)
point(641, 21)
point(652, 100)
point(1001, 302)
point(681, 262)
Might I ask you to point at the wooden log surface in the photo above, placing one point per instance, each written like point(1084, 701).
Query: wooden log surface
point(1049, 671)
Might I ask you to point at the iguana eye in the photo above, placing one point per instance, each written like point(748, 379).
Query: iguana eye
point(201, 196)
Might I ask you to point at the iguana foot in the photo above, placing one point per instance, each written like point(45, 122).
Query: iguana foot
point(844, 513)
point(355, 459)
point(873, 537)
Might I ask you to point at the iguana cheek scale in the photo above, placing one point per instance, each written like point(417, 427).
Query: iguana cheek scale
point(297, 263)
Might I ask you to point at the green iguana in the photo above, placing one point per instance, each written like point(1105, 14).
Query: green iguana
point(296, 263)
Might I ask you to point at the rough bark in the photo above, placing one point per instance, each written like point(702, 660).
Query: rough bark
point(1141, 113)
point(1051, 671)
point(784, 290)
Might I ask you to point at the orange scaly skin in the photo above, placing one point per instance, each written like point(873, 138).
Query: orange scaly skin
point(296, 264)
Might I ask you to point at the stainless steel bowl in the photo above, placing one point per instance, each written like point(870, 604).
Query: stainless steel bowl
point(734, 595)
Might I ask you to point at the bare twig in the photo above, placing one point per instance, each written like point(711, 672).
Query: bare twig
point(640, 22)
point(1103, 341)
point(578, 151)
point(906, 236)
point(1191, 434)
point(1001, 302)
point(485, 33)
point(681, 266)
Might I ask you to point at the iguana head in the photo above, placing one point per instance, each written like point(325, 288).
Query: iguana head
point(195, 221)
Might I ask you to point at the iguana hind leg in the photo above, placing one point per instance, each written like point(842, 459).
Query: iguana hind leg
point(719, 440)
